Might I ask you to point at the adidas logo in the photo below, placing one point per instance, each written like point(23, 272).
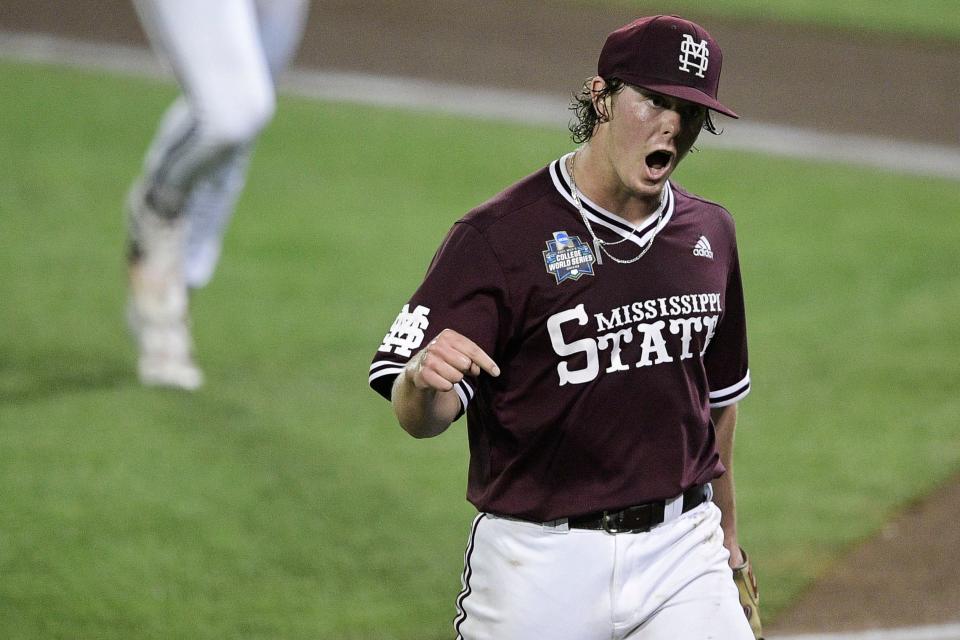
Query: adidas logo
point(702, 248)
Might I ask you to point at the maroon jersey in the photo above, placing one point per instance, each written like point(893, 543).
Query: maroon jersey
point(608, 371)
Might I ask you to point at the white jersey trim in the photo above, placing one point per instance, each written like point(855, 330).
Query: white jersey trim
point(729, 395)
point(383, 368)
point(640, 234)
point(465, 392)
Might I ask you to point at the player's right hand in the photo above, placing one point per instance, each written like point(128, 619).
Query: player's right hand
point(446, 360)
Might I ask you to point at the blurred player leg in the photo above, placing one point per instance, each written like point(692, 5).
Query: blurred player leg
point(214, 50)
point(281, 24)
point(207, 212)
point(214, 195)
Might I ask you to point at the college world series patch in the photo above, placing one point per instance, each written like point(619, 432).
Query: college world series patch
point(567, 257)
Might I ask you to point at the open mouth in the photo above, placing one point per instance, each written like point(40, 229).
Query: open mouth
point(659, 160)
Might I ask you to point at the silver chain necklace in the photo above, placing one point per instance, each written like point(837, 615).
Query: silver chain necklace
point(599, 246)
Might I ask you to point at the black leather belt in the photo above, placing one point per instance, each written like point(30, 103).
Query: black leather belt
point(639, 518)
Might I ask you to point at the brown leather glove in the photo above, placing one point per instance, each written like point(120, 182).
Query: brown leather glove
point(749, 594)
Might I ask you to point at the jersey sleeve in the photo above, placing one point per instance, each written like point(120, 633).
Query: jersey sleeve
point(464, 290)
point(726, 362)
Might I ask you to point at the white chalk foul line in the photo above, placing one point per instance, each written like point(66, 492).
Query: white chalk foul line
point(936, 632)
point(897, 156)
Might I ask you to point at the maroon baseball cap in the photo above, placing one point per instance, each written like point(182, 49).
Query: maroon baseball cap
point(668, 55)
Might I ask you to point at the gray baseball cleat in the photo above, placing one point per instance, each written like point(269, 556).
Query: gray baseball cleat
point(157, 309)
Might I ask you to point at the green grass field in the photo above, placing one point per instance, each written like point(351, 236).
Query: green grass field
point(927, 19)
point(282, 501)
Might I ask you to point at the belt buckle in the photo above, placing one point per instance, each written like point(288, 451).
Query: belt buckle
point(606, 521)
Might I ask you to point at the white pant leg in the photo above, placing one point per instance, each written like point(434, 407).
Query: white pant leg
point(214, 49)
point(281, 24)
point(208, 210)
point(213, 197)
point(677, 584)
point(522, 581)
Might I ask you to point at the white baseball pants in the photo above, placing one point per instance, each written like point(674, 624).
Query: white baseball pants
point(525, 580)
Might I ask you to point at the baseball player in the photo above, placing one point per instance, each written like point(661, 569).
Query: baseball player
point(589, 320)
point(225, 55)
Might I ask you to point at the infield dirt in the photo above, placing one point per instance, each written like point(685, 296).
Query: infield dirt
point(835, 81)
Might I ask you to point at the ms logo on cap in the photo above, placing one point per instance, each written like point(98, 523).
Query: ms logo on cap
point(693, 56)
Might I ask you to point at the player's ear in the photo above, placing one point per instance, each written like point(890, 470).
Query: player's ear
point(601, 101)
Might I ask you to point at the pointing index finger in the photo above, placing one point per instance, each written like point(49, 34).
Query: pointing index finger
point(478, 356)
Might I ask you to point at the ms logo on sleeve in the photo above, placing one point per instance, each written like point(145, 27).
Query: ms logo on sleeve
point(407, 331)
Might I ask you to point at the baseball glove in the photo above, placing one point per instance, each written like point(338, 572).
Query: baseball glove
point(749, 594)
